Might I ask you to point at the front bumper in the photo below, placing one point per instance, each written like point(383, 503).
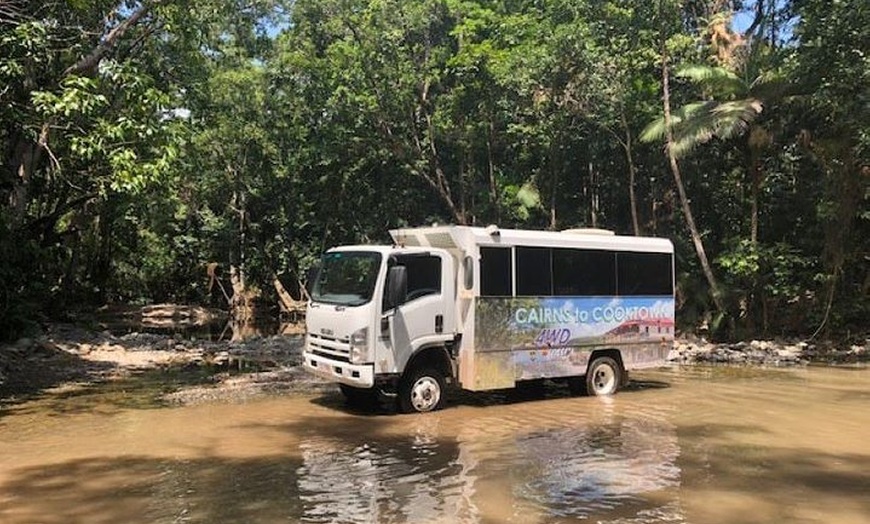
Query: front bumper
point(357, 375)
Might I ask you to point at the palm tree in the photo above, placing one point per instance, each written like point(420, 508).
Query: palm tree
point(730, 109)
point(670, 147)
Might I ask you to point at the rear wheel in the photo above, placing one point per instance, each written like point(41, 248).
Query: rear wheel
point(603, 377)
point(421, 391)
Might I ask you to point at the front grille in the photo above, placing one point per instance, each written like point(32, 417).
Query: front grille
point(333, 348)
point(331, 356)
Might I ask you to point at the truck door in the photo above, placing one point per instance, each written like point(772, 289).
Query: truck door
point(425, 316)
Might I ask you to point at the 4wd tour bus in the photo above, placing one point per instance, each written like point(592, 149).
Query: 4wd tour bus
point(488, 308)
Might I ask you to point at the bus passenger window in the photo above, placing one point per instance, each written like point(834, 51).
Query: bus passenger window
point(496, 279)
point(534, 272)
point(583, 272)
point(642, 274)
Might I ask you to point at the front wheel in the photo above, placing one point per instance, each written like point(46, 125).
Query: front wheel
point(603, 377)
point(421, 391)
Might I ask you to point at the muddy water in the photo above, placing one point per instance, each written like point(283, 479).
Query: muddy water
point(699, 445)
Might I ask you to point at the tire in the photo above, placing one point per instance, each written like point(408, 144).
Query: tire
point(603, 377)
point(421, 391)
point(362, 397)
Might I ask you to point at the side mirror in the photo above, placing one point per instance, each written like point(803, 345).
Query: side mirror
point(468, 271)
point(396, 289)
point(311, 277)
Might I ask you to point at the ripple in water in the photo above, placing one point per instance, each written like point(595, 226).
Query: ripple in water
point(583, 471)
point(411, 480)
point(555, 463)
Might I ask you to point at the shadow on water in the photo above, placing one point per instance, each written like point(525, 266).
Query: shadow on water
point(143, 489)
point(50, 368)
point(766, 483)
point(641, 385)
point(536, 391)
point(143, 389)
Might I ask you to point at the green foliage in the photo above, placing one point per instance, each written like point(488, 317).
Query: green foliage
point(784, 272)
point(733, 109)
point(19, 298)
point(715, 80)
point(257, 134)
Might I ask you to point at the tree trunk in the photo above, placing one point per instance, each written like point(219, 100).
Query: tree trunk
point(27, 156)
point(434, 175)
point(87, 65)
point(678, 180)
point(593, 197)
point(292, 309)
point(240, 201)
point(240, 306)
point(553, 190)
point(553, 195)
point(463, 186)
point(632, 173)
point(755, 172)
point(493, 183)
point(107, 222)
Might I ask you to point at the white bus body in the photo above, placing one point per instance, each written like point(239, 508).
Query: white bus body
point(486, 308)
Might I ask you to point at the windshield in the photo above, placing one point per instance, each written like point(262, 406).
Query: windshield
point(347, 278)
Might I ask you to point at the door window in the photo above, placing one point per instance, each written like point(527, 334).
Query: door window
point(424, 275)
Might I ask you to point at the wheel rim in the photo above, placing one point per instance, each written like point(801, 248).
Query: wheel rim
point(603, 379)
point(425, 394)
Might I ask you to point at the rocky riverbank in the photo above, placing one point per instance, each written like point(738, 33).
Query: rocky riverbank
point(691, 350)
point(66, 356)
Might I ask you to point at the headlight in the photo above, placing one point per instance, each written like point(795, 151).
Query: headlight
point(359, 346)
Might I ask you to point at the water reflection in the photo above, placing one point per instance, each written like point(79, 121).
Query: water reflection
point(612, 467)
point(580, 472)
point(417, 479)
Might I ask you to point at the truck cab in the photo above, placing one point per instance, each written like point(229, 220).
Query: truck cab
point(379, 316)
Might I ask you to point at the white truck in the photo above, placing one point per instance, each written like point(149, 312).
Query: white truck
point(489, 308)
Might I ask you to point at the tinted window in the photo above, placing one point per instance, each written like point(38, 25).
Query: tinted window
point(424, 274)
point(644, 273)
point(495, 272)
point(583, 272)
point(534, 271)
